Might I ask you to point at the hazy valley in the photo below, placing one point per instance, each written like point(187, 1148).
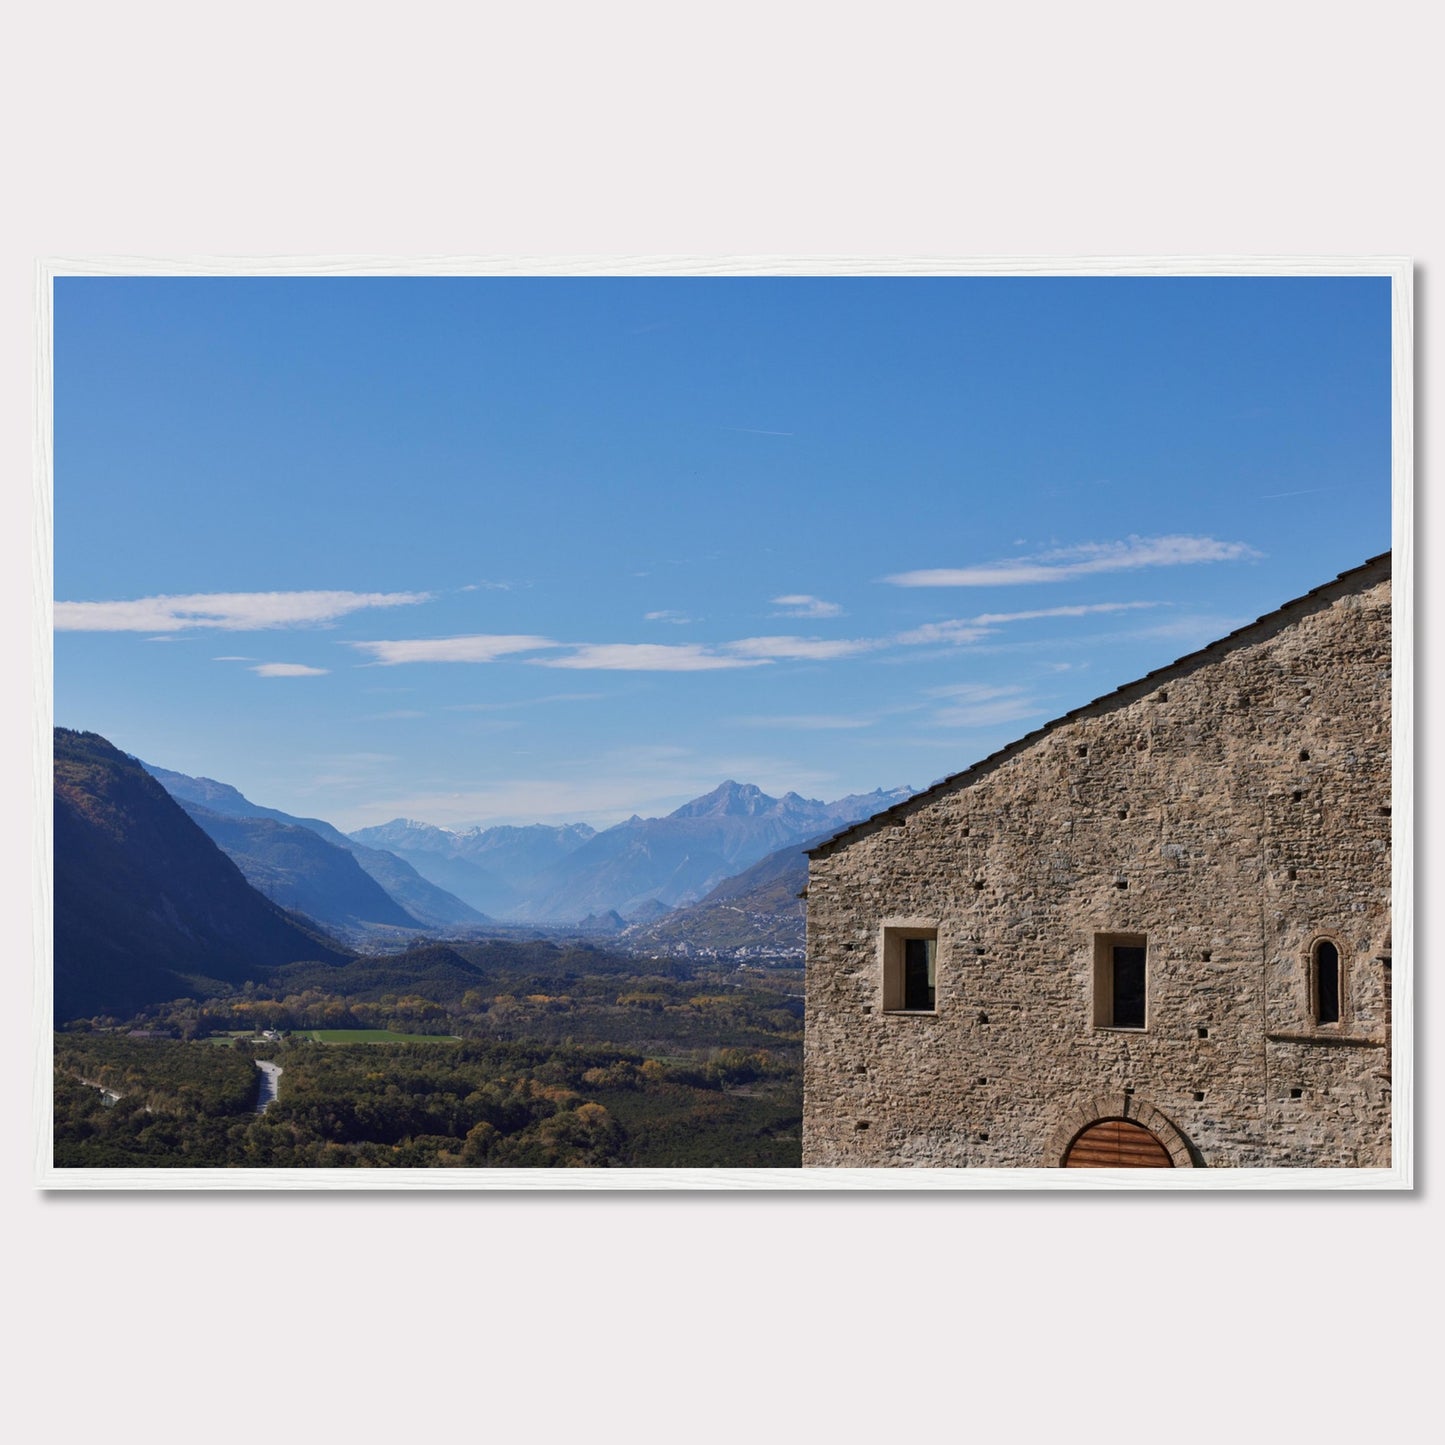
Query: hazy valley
point(629, 996)
point(647, 882)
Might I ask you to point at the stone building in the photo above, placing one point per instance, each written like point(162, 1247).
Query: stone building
point(1155, 931)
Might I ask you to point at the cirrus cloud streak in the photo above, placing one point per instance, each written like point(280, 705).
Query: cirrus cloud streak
point(648, 657)
point(227, 611)
point(478, 647)
point(704, 657)
point(802, 649)
point(1063, 563)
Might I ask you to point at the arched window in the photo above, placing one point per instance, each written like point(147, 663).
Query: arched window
point(1325, 981)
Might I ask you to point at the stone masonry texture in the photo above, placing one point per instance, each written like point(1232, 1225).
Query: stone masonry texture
point(1232, 810)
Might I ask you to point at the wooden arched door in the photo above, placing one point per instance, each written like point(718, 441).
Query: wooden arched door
point(1116, 1144)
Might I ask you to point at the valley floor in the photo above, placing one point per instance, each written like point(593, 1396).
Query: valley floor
point(473, 1055)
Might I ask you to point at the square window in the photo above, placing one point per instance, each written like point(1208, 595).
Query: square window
point(910, 969)
point(1121, 981)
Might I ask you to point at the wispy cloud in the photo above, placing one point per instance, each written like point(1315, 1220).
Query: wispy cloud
point(808, 722)
point(288, 669)
point(480, 647)
point(397, 715)
point(1063, 563)
point(989, 619)
point(523, 702)
point(233, 659)
point(228, 611)
point(973, 691)
point(488, 587)
point(707, 657)
point(801, 649)
point(975, 705)
point(647, 657)
point(364, 771)
point(955, 632)
point(959, 631)
point(800, 604)
point(1196, 628)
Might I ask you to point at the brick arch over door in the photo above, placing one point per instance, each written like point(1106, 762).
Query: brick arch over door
point(1125, 1108)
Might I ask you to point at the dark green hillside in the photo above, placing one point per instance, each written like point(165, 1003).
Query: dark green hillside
point(434, 971)
point(146, 906)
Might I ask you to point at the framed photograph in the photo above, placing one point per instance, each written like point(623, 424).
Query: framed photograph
point(773, 724)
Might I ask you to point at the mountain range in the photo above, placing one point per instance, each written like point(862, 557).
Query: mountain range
point(565, 874)
point(493, 869)
point(167, 885)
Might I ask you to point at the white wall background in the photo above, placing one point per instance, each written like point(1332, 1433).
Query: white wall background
point(785, 128)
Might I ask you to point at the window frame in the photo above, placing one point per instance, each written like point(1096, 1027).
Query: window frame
point(1104, 1004)
point(893, 934)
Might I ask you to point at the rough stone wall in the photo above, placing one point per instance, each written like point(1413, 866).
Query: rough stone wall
point(1234, 810)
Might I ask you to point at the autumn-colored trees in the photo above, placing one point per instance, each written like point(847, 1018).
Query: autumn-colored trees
point(411, 1105)
point(567, 1058)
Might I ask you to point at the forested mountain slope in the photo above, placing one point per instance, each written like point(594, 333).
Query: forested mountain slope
point(146, 906)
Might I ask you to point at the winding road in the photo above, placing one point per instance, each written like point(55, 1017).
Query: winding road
point(270, 1073)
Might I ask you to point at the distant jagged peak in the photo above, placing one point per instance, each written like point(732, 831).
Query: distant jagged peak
point(496, 831)
point(416, 825)
point(731, 799)
point(875, 801)
point(400, 831)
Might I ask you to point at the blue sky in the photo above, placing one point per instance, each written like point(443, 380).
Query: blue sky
point(513, 550)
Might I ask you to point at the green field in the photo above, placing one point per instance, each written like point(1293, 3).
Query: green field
point(372, 1036)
